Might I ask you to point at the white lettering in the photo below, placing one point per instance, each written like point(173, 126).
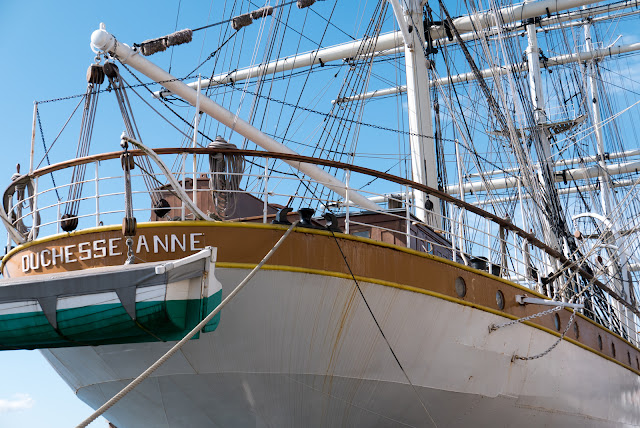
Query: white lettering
point(34, 261)
point(113, 246)
point(157, 241)
point(175, 240)
point(44, 262)
point(142, 240)
point(68, 254)
point(109, 247)
point(86, 252)
point(193, 238)
point(99, 250)
point(55, 255)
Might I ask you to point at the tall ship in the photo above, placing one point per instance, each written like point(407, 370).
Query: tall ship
point(397, 213)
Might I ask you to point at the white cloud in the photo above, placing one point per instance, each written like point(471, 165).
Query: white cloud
point(16, 402)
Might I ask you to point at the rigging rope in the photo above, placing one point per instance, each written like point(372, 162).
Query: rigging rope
point(117, 84)
point(375, 320)
point(95, 77)
point(189, 335)
point(46, 151)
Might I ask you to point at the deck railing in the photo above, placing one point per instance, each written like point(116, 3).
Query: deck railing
point(466, 234)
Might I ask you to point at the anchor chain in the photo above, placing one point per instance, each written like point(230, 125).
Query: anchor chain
point(542, 354)
point(494, 327)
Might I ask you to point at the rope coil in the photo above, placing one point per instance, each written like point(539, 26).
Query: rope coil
point(225, 176)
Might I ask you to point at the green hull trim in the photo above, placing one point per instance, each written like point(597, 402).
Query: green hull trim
point(108, 324)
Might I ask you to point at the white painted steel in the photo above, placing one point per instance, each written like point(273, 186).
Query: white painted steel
point(563, 191)
point(506, 15)
point(390, 41)
point(570, 174)
point(333, 53)
point(523, 299)
point(106, 42)
point(546, 24)
point(559, 21)
point(398, 12)
point(543, 148)
point(603, 179)
point(563, 162)
point(584, 13)
point(495, 72)
point(300, 349)
point(421, 142)
point(208, 252)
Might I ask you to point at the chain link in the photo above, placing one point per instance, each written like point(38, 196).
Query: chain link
point(542, 354)
point(143, 85)
point(130, 255)
point(494, 327)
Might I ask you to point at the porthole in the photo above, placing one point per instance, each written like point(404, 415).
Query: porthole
point(500, 299)
point(613, 350)
point(461, 287)
point(576, 329)
point(600, 342)
point(556, 321)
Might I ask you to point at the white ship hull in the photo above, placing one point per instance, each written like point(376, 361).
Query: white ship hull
point(302, 349)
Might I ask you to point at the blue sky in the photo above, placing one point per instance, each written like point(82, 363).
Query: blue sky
point(45, 53)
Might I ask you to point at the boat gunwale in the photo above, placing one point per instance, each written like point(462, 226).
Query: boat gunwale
point(503, 223)
point(344, 236)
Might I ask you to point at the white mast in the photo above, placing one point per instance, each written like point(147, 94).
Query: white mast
point(423, 156)
point(617, 255)
point(545, 171)
point(604, 179)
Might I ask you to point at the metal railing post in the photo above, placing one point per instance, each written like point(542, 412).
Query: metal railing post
point(97, 195)
point(346, 217)
point(184, 185)
point(488, 232)
point(407, 212)
point(266, 190)
point(34, 210)
point(59, 217)
point(503, 252)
